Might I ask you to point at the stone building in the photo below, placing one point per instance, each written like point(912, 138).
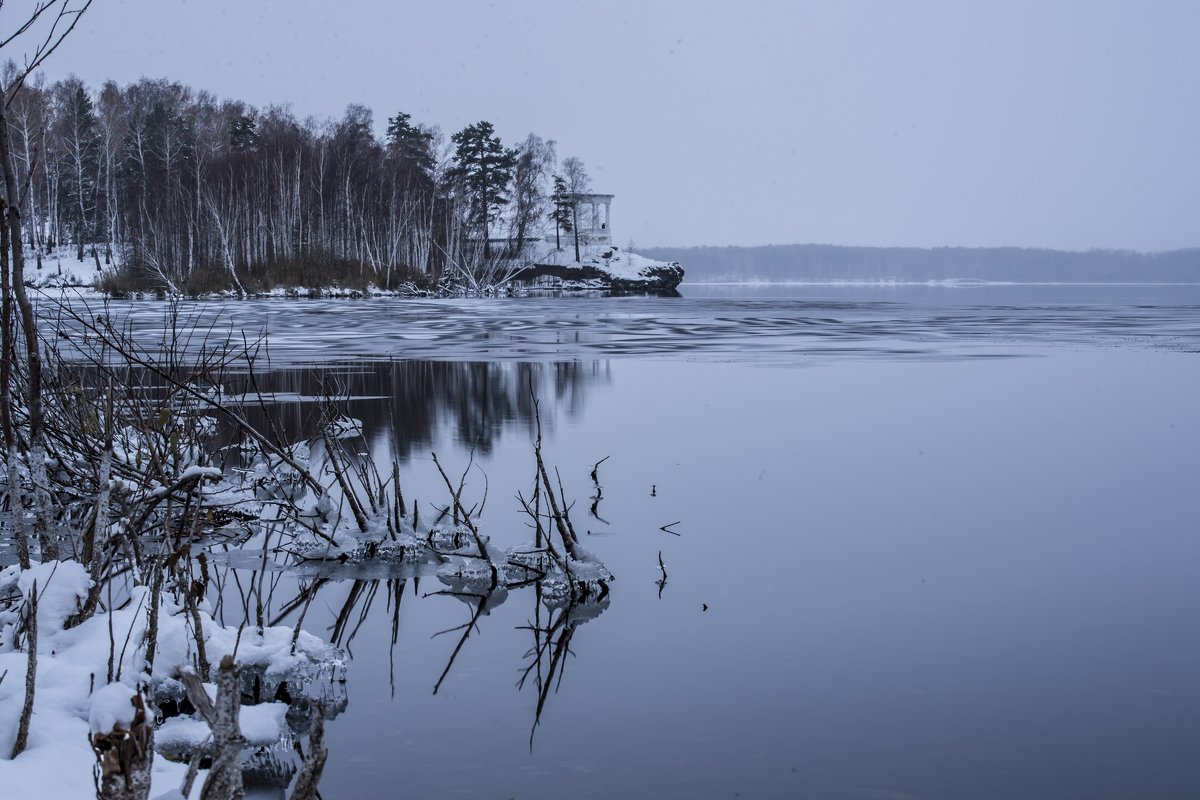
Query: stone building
point(593, 219)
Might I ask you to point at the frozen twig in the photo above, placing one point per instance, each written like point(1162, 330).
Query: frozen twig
point(31, 637)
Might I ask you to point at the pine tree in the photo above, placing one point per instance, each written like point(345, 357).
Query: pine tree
point(483, 167)
point(562, 210)
point(243, 134)
point(79, 140)
point(410, 143)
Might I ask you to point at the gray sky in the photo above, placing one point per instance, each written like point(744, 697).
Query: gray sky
point(1052, 123)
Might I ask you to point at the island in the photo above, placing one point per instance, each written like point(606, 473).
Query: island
point(156, 189)
point(590, 261)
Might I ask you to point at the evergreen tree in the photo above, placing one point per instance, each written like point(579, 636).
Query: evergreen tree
point(181, 187)
point(412, 144)
point(169, 143)
point(562, 210)
point(78, 140)
point(243, 134)
point(483, 168)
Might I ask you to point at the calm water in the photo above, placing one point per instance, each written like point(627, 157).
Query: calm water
point(947, 541)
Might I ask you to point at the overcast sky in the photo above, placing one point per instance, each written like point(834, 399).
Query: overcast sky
point(1051, 123)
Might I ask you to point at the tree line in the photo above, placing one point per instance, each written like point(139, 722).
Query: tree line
point(171, 188)
point(824, 262)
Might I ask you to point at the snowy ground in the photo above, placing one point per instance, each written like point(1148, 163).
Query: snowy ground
point(73, 699)
point(616, 262)
point(62, 268)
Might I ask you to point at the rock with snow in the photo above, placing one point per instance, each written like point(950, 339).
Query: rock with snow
point(600, 267)
point(61, 588)
point(112, 705)
point(343, 427)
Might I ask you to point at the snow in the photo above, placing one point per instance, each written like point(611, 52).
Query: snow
point(112, 705)
point(61, 586)
point(345, 428)
point(196, 471)
point(62, 269)
point(58, 762)
point(262, 725)
point(73, 700)
point(295, 397)
point(63, 272)
point(63, 771)
point(618, 263)
point(179, 734)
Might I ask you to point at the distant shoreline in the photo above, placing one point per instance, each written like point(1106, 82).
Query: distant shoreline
point(944, 284)
point(825, 264)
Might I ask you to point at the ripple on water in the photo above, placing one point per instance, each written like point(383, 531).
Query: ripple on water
point(765, 330)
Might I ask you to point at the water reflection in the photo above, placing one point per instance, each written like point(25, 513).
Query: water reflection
point(980, 563)
point(552, 631)
point(552, 625)
point(408, 402)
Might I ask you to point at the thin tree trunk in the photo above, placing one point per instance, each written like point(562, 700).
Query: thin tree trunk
point(224, 780)
point(305, 787)
point(37, 452)
point(575, 227)
point(31, 637)
point(15, 500)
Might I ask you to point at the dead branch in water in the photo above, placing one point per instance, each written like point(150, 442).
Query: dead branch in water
point(565, 531)
point(360, 516)
point(470, 625)
point(225, 776)
point(596, 466)
point(305, 787)
point(483, 553)
point(315, 762)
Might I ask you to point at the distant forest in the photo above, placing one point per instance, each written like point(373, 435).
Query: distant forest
point(819, 262)
point(174, 189)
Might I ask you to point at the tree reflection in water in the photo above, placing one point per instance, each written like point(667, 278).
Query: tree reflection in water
point(542, 667)
point(413, 399)
point(407, 405)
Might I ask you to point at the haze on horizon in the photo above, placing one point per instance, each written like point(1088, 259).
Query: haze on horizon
point(1038, 124)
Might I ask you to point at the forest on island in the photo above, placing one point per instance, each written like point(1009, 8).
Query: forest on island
point(168, 188)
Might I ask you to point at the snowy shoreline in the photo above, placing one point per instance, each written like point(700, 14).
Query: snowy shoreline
point(601, 269)
point(73, 701)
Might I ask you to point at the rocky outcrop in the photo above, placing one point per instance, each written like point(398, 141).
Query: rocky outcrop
point(600, 268)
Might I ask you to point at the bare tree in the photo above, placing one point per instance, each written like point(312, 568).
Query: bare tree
point(534, 160)
point(578, 183)
point(60, 18)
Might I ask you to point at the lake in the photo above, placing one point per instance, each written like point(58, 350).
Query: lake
point(933, 542)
